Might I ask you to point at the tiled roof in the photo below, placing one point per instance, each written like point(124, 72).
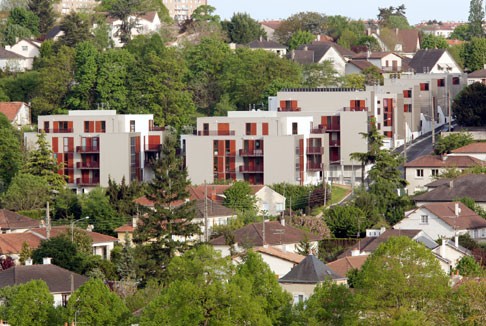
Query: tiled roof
point(302, 56)
point(53, 32)
point(57, 278)
point(285, 255)
point(58, 230)
point(5, 54)
point(318, 48)
point(11, 243)
point(311, 271)
point(475, 148)
point(214, 209)
point(343, 265)
point(372, 55)
point(264, 44)
point(144, 201)
point(275, 234)
point(466, 220)
point(471, 185)
point(425, 60)
point(444, 162)
point(10, 109)
point(148, 16)
point(361, 64)
point(477, 74)
point(12, 220)
point(273, 24)
point(409, 39)
point(125, 228)
point(341, 49)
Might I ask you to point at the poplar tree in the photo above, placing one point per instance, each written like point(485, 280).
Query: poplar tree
point(476, 18)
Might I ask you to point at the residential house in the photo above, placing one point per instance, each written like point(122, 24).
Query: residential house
point(448, 190)
point(61, 282)
point(478, 76)
point(147, 23)
point(442, 29)
point(318, 52)
point(27, 48)
point(101, 244)
point(11, 222)
point(444, 220)
point(11, 244)
point(279, 261)
point(11, 61)
point(434, 61)
point(271, 233)
point(357, 66)
point(449, 253)
point(301, 281)
point(425, 169)
point(54, 33)
point(405, 42)
point(18, 113)
point(385, 61)
point(182, 10)
point(343, 265)
point(270, 46)
point(476, 150)
point(95, 145)
point(269, 26)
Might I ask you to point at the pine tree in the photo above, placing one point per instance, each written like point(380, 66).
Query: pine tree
point(163, 231)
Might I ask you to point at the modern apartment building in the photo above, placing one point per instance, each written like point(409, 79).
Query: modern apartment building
point(64, 7)
point(95, 145)
point(181, 10)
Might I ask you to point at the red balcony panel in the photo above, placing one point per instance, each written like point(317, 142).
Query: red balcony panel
point(315, 150)
point(355, 108)
point(312, 166)
point(334, 143)
point(251, 169)
point(216, 133)
point(87, 165)
point(88, 181)
point(87, 149)
point(251, 152)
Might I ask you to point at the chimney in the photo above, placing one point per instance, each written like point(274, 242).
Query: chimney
point(282, 221)
point(451, 184)
point(443, 157)
point(456, 241)
point(292, 54)
point(261, 38)
point(443, 248)
point(457, 210)
point(306, 48)
point(28, 262)
point(382, 230)
point(46, 260)
point(355, 252)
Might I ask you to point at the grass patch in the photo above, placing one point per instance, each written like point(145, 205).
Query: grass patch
point(338, 192)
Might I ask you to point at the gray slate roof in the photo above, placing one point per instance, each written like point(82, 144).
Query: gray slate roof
point(311, 270)
point(471, 185)
point(425, 60)
point(264, 44)
point(5, 54)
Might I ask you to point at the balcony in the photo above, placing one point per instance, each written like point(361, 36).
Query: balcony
point(225, 153)
point(87, 165)
point(88, 182)
point(251, 169)
point(56, 131)
point(297, 109)
point(334, 127)
point(251, 152)
point(351, 109)
point(312, 166)
point(334, 143)
point(315, 150)
point(319, 130)
point(87, 149)
point(153, 147)
point(216, 133)
point(156, 128)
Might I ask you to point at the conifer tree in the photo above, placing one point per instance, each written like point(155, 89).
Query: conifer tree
point(163, 231)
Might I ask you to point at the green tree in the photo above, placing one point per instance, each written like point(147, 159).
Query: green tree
point(76, 29)
point(468, 107)
point(96, 205)
point(44, 11)
point(468, 266)
point(122, 196)
point(94, 304)
point(312, 22)
point(461, 32)
point(243, 29)
point(62, 251)
point(393, 17)
point(21, 23)
point(11, 33)
point(123, 10)
point(444, 145)
point(356, 81)
point(26, 192)
point(240, 197)
point(163, 230)
point(467, 303)
point(320, 75)
point(41, 162)
point(25, 253)
point(476, 18)
point(67, 205)
point(431, 41)
point(346, 221)
point(373, 76)
point(401, 276)
point(473, 53)
point(31, 304)
point(300, 38)
point(10, 152)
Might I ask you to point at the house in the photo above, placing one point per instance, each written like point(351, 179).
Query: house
point(11, 244)
point(427, 168)
point(269, 26)
point(405, 42)
point(301, 281)
point(11, 222)
point(476, 150)
point(147, 23)
point(449, 253)
point(478, 76)
point(357, 66)
point(96, 145)
point(270, 46)
point(27, 48)
point(54, 33)
point(448, 190)
point(64, 7)
point(102, 244)
point(444, 220)
point(434, 61)
point(279, 261)
point(318, 52)
point(385, 61)
point(61, 282)
point(343, 265)
point(271, 233)
point(18, 113)
point(11, 61)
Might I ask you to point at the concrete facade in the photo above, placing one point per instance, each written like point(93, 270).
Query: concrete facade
point(94, 146)
point(181, 10)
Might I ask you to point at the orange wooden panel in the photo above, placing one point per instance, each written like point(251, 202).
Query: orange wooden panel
point(253, 130)
point(282, 104)
point(70, 126)
point(265, 128)
point(223, 128)
point(56, 125)
point(55, 144)
point(71, 144)
point(293, 104)
point(98, 126)
point(232, 147)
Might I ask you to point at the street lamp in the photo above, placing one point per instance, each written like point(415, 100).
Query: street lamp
point(72, 226)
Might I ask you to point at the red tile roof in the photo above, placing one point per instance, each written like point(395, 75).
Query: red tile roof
point(273, 24)
point(466, 220)
point(12, 220)
point(473, 147)
point(11, 243)
point(10, 109)
point(444, 162)
point(275, 234)
point(343, 265)
point(125, 228)
point(58, 230)
point(285, 255)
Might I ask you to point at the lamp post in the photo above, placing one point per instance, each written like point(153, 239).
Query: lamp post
point(72, 226)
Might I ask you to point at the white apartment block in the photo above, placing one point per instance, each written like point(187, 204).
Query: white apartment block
point(181, 10)
point(95, 145)
point(65, 7)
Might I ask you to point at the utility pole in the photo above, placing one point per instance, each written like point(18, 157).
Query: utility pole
point(48, 221)
point(432, 118)
point(206, 235)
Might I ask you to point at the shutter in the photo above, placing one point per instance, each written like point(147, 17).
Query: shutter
point(265, 128)
point(55, 144)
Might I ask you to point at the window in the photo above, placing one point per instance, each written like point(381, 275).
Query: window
point(378, 111)
point(424, 219)
point(420, 173)
point(250, 129)
point(407, 108)
point(298, 298)
point(25, 48)
point(63, 126)
point(295, 129)
point(424, 86)
point(455, 81)
point(435, 172)
point(407, 93)
point(132, 125)
point(440, 82)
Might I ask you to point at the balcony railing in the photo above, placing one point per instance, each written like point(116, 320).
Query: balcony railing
point(156, 128)
point(153, 147)
point(87, 181)
point(56, 131)
point(311, 166)
point(87, 149)
point(251, 169)
point(321, 129)
point(225, 153)
point(87, 165)
point(355, 109)
point(297, 109)
point(315, 150)
point(216, 133)
point(334, 143)
point(251, 152)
